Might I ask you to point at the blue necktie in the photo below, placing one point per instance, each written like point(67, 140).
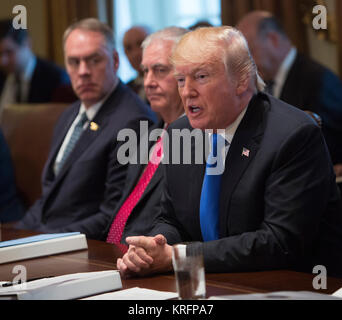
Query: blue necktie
point(73, 140)
point(210, 196)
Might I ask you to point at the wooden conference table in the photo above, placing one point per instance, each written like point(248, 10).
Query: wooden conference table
point(102, 256)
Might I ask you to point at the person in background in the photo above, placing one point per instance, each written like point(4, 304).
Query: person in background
point(83, 177)
point(275, 204)
point(200, 24)
point(11, 207)
point(295, 78)
point(132, 41)
point(24, 77)
point(140, 204)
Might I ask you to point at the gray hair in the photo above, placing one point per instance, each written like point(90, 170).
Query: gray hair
point(171, 33)
point(92, 24)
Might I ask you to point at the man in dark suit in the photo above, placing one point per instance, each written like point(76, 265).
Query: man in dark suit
point(295, 78)
point(83, 178)
point(269, 200)
point(23, 76)
point(162, 91)
point(11, 208)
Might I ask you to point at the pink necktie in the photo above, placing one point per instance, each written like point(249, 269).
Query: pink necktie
point(118, 225)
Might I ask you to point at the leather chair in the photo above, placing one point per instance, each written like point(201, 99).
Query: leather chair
point(28, 130)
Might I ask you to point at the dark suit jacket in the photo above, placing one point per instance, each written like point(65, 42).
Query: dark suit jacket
point(47, 78)
point(311, 86)
point(84, 194)
point(11, 208)
point(142, 217)
point(279, 207)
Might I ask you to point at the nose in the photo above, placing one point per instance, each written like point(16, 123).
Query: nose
point(83, 69)
point(149, 80)
point(188, 89)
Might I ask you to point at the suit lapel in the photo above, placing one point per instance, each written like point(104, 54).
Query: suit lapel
point(242, 151)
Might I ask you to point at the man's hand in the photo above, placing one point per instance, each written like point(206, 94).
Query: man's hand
point(146, 255)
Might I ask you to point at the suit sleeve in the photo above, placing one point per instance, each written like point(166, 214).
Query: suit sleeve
point(296, 194)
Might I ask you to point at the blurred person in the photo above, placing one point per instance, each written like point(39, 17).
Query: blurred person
point(132, 41)
point(11, 207)
point(83, 178)
point(276, 203)
point(200, 24)
point(295, 78)
point(24, 77)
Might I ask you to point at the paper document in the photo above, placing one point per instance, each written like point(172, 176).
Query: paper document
point(338, 293)
point(135, 294)
point(282, 295)
point(71, 286)
point(40, 237)
point(41, 245)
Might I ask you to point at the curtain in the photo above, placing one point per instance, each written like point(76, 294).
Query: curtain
point(62, 13)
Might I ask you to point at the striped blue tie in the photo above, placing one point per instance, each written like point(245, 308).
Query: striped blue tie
point(73, 140)
point(210, 196)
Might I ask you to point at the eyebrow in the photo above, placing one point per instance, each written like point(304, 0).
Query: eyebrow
point(197, 69)
point(156, 65)
point(94, 55)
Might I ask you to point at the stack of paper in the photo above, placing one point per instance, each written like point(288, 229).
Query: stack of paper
point(135, 294)
point(281, 295)
point(41, 245)
point(71, 286)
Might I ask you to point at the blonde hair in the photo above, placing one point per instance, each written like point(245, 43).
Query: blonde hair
point(219, 44)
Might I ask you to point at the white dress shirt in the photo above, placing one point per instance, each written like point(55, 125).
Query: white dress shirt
point(283, 71)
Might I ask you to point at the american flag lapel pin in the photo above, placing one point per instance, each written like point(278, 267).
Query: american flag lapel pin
point(245, 152)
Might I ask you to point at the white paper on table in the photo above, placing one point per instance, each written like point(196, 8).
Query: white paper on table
point(135, 294)
point(338, 293)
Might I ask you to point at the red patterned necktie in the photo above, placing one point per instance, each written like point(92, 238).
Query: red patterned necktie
point(118, 225)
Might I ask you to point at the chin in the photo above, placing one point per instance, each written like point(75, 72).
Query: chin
point(198, 124)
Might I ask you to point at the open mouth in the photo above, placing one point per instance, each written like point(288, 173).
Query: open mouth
point(194, 109)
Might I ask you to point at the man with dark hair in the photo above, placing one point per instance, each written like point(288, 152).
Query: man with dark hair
point(295, 78)
point(23, 76)
point(83, 178)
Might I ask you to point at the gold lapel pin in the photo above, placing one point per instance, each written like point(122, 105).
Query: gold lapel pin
point(94, 126)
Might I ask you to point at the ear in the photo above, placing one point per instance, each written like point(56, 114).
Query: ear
point(242, 86)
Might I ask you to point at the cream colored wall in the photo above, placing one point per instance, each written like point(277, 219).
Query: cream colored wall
point(321, 50)
point(36, 21)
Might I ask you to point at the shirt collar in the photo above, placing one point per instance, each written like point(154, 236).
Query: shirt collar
point(94, 109)
point(229, 132)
